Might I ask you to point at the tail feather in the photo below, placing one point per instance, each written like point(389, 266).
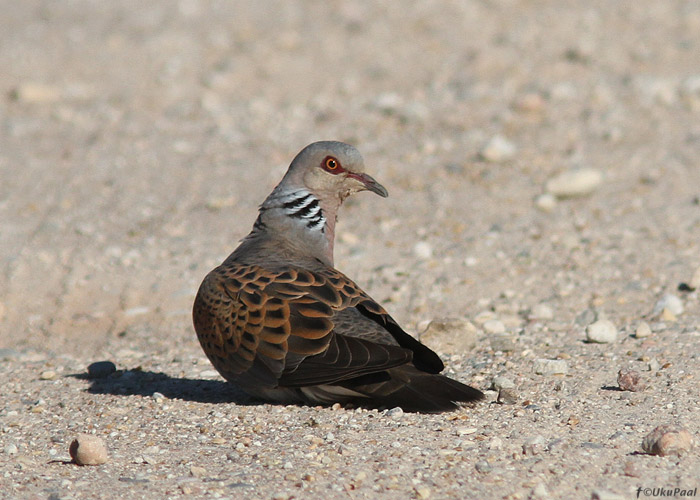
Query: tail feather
point(414, 390)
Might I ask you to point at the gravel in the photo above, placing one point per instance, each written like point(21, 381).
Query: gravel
point(137, 144)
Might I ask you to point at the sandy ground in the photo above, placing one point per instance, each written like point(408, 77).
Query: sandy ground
point(136, 140)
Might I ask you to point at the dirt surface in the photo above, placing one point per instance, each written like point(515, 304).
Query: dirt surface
point(137, 139)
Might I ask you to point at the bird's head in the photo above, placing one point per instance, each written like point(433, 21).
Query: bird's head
point(332, 171)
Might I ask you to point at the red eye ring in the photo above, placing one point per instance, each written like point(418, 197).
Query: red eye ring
point(331, 163)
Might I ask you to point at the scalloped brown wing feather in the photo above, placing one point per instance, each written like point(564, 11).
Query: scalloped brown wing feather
point(272, 329)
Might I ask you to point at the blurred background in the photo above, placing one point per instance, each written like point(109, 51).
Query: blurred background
point(137, 139)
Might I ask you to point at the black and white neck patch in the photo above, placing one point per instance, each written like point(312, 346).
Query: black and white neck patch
point(304, 206)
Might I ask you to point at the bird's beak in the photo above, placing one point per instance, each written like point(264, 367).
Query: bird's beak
point(370, 184)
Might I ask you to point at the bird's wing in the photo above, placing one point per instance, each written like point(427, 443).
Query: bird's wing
point(277, 328)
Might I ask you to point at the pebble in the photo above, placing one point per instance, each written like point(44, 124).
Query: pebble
point(602, 331)
point(101, 369)
point(422, 491)
point(494, 326)
point(496, 443)
point(574, 183)
point(450, 335)
point(395, 413)
point(534, 446)
point(600, 494)
point(541, 312)
point(47, 375)
point(653, 365)
point(500, 382)
point(507, 396)
point(643, 330)
point(546, 202)
point(483, 466)
point(498, 149)
point(630, 380)
point(388, 102)
point(502, 342)
point(423, 250)
point(551, 367)
point(540, 491)
point(667, 306)
point(668, 440)
point(87, 449)
point(465, 431)
point(35, 93)
point(197, 471)
point(11, 449)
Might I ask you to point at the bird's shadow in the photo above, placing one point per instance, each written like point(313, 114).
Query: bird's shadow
point(145, 383)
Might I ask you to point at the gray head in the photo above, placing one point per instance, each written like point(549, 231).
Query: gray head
point(331, 171)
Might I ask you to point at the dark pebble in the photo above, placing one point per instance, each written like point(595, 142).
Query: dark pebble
point(101, 369)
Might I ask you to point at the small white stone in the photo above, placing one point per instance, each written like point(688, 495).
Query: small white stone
point(643, 330)
point(137, 311)
point(465, 431)
point(47, 375)
point(494, 326)
point(574, 183)
point(602, 331)
point(496, 443)
point(498, 149)
point(541, 312)
point(546, 202)
point(501, 382)
point(472, 261)
point(11, 449)
point(669, 302)
point(388, 102)
point(395, 413)
point(450, 335)
point(36, 93)
point(534, 446)
point(551, 367)
point(540, 492)
point(423, 250)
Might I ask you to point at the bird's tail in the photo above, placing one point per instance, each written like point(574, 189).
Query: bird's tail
point(413, 390)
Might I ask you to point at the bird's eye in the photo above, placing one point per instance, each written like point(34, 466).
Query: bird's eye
point(332, 165)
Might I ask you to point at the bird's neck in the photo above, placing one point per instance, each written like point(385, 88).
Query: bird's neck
point(298, 221)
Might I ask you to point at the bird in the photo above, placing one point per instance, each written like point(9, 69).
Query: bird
point(277, 319)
